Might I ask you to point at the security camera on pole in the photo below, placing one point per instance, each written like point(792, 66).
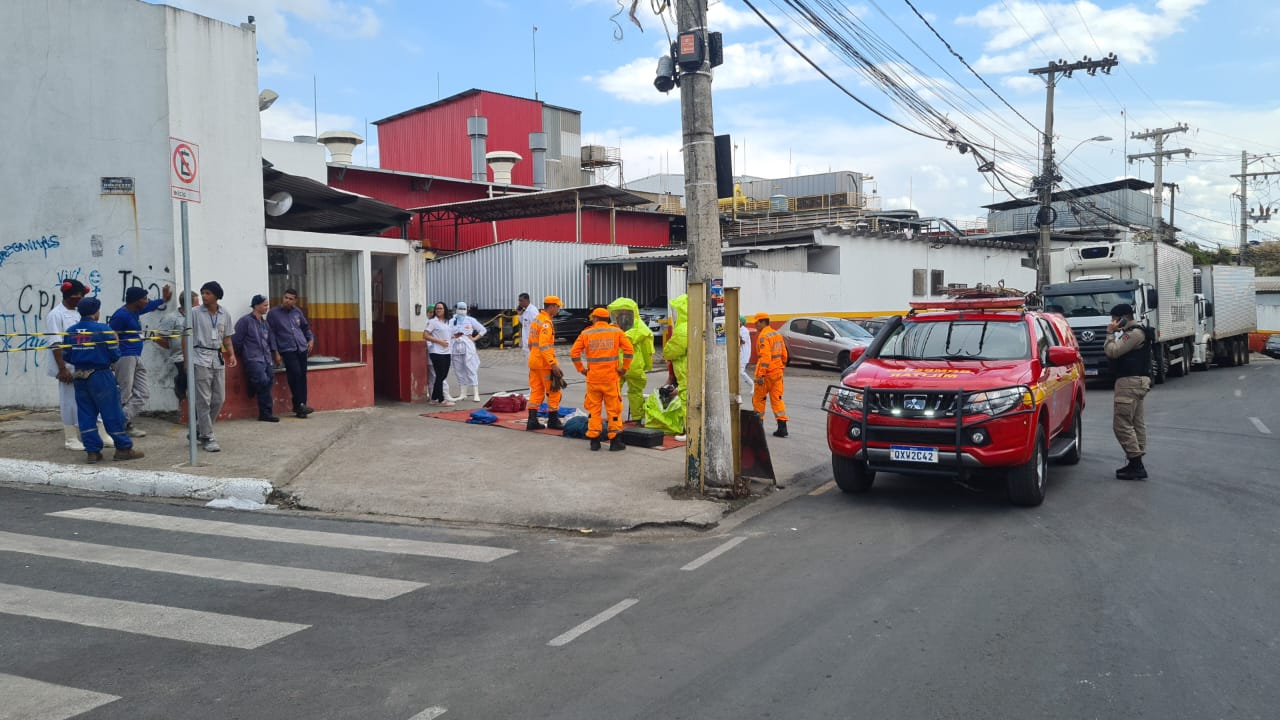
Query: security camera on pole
point(695, 52)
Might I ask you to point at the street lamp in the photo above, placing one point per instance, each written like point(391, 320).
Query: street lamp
point(1095, 138)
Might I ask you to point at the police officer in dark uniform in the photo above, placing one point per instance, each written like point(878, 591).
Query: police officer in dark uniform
point(1130, 355)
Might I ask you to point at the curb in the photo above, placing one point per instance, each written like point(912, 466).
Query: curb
point(147, 483)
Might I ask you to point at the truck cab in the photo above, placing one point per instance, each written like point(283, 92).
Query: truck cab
point(1086, 305)
point(1155, 278)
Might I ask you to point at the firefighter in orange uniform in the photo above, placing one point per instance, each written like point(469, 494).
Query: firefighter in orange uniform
point(545, 374)
point(604, 345)
point(771, 359)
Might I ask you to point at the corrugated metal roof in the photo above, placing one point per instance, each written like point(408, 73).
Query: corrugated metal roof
point(443, 178)
point(664, 256)
point(1269, 284)
point(319, 208)
point(550, 202)
point(459, 96)
point(1074, 193)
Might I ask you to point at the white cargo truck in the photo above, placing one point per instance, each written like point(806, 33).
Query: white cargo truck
point(1156, 279)
point(1226, 312)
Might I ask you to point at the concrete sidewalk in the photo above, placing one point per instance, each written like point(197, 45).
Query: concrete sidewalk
point(389, 461)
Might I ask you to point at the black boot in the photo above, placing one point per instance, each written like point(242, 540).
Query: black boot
point(782, 429)
point(553, 421)
point(616, 444)
point(595, 444)
point(1133, 471)
point(533, 423)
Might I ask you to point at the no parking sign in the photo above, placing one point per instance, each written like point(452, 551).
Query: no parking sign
point(184, 170)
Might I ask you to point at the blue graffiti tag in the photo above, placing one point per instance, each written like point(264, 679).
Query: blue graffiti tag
point(44, 244)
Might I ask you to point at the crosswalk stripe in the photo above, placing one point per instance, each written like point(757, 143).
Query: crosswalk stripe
point(143, 618)
point(27, 699)
point(452, 551)
point(361, 586)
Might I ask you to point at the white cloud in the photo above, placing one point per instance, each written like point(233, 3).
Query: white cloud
point(725, 17)
point(274, 19)
point(287, 118)
point(1028, 34)
point(755, 65)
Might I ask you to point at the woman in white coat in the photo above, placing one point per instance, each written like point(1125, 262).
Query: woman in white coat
point(463, 331)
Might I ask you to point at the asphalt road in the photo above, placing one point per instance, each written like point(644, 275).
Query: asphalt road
point(922, 599)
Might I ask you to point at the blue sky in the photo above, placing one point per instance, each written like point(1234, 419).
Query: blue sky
point(1208, 63)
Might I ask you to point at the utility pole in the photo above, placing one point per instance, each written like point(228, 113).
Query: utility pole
point(1053, 72)
point(1157, 213)
point(1173, 188)
point(709, 409)
point(1244, 197)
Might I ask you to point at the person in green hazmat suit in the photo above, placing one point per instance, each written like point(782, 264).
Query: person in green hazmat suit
point(676, 349)
point(625, 313)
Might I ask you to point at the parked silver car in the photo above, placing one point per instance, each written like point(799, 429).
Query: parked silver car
point(825, 340)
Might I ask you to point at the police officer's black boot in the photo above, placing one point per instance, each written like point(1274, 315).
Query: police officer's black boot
point(1133, 471)
point(533, 423)
point(616, 444)
point(782, 429)
point(595, 444)
point(553, 421)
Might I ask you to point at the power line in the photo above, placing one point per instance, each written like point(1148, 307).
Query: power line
point(832, 80)
point(968, 66)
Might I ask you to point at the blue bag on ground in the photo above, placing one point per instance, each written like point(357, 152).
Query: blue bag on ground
point(482, 417)
point(576, 427)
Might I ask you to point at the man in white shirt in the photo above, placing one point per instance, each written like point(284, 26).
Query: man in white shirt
point(63, 316)
point(745, 382)
point(528, 314)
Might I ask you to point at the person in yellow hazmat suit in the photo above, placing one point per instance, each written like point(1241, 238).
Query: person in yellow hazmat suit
point(676, 349)
point(626, 315)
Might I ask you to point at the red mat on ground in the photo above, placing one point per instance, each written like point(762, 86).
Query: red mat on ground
point(517, 421)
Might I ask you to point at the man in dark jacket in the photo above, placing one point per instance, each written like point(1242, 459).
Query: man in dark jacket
point(1130, 355)
point(256, 347)
point(292, 334)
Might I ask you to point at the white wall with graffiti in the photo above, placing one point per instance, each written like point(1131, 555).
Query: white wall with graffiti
point(95, 89)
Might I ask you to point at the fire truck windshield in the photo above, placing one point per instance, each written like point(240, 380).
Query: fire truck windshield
point(959, 340)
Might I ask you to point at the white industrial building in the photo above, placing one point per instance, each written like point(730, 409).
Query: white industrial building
point(830, 271)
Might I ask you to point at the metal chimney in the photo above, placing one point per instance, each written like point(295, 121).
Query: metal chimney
point(538, 146)
point(341, 144)
point(478, 130)
point(502, 161)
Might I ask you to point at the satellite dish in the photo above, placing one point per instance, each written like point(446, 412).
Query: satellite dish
point(279, 204)
point(266, 97)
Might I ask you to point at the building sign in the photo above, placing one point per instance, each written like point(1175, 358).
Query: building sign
point(117, 186)
point(184, 170)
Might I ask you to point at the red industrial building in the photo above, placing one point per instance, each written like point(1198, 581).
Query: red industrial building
point(434, 156)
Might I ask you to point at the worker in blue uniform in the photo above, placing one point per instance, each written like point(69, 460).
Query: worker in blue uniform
point(91, 347)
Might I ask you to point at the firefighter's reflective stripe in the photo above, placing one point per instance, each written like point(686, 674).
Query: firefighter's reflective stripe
point(602, 344)
point(542, 343)
point(771, 351)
